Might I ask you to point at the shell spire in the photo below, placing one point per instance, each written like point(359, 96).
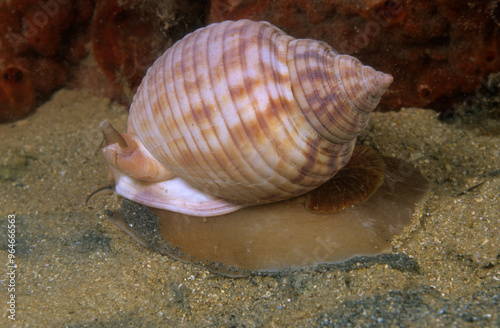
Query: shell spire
point(335, 92)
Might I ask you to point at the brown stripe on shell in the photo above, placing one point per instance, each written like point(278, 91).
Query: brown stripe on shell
point(214, 135)
point(300, 57)
point(284, 118)
point(259, 120)
point(326, 99)
point(349, 120)
point(325, 110)
point(290, 120)
point(170, 129)
point(256, 128)
point(215, 176)
point(195, 122)
point(271, 118)
point(339, 117)
point(331, 89)
point(177, 95)
point(239, 142)
point(219, 172)
point(234, 75)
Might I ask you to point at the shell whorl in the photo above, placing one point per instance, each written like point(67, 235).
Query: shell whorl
point(335, 92)
point(236, 110)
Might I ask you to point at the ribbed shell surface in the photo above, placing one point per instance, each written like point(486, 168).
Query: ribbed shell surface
point(218, 110)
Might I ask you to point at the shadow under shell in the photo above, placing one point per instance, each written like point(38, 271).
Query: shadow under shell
point(284, 235)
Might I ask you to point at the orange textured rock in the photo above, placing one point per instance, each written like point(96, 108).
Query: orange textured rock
point(439, 52)
point(35, 40)
point(128, 36)
point(126, 41)
point(17, 96)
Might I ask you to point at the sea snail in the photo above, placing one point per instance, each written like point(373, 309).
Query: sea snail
point(239, 113)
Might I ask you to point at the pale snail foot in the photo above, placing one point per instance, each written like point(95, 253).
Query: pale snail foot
point(285, 236)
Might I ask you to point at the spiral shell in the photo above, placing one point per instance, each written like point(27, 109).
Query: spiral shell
point(239, 113)
point(243, 111)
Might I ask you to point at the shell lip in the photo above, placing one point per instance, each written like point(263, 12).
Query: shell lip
point(174, 195)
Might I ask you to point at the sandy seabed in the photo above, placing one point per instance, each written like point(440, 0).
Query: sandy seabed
point(77, 269)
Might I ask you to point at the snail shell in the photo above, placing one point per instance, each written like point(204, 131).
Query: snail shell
point(240, 113)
